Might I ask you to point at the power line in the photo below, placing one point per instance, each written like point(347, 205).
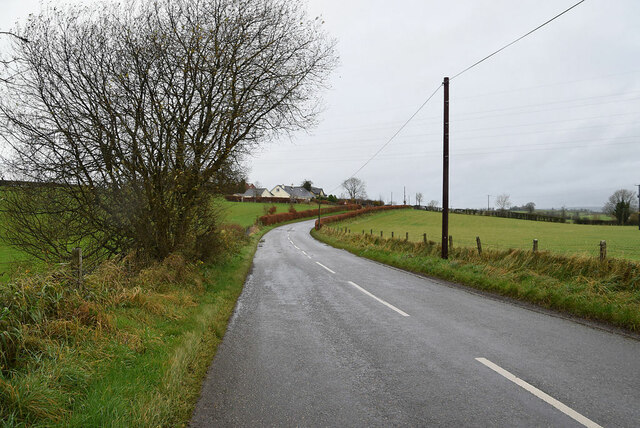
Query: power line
point(394, 135)
point(516, 40)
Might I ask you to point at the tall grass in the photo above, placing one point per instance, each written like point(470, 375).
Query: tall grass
point(127, 347)
point(606, 291)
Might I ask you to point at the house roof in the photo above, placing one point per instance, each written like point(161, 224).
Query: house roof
point(316, 190)
point(252, 193)
point(298, 192)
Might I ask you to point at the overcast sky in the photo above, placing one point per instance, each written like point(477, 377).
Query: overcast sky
point(554, 119)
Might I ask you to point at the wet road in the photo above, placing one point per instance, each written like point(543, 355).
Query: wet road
point(323, 338)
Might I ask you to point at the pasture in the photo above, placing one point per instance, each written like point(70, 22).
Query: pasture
point(502, 233)
point(245, 213)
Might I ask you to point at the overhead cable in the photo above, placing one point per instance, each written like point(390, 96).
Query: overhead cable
point(517, 40)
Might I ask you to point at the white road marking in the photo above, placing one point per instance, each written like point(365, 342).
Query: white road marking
point(325, 267)
point(404, 314)
point(541, 395)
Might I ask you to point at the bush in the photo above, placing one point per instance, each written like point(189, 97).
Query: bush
point(272, 210)
point(268, 220)
point(357, 213)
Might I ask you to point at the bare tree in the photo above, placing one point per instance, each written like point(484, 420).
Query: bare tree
point(125, 113)
point(433, 204)
point(355, 188)
point(418, 198)
point(503, 201)
point(620, 205)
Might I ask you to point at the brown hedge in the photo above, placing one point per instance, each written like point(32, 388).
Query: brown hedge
point(357, 213)
point(268, 220)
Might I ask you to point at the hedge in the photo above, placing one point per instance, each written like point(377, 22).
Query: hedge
point(357, 213)
point(268, 220)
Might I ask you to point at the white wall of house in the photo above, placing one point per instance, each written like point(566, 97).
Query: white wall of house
point(279, 192)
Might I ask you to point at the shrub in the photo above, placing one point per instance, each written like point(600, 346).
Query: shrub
point(272, 210)
point(292, 209)
point(268, 220)
point(356, 213)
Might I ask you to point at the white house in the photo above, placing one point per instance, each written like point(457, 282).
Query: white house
point(291, 192)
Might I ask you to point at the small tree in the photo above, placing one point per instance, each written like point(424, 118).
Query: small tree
point(620, 205)
point(418, 198)
point(503, 201)
point(433, 204)
point(530, 207)
point(307, 184)
point(355, 188)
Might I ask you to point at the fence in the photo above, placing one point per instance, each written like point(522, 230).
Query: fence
point(601, 248)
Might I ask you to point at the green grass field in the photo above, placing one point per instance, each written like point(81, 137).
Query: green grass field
point(503, 233)
point(245, 213)
point(242, 213)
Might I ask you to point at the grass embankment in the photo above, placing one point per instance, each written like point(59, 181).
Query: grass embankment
point(606, 291)
point(123, 349)
point(503, 233)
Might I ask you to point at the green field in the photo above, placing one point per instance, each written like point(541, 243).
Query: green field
point(503, 233)
point(242, 213)
point(246, 213)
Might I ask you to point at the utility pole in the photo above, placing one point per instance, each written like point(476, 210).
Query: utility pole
point(488, 196)
point(445, 173)
point(638, 206)
point(391, 201)
point(404, 195)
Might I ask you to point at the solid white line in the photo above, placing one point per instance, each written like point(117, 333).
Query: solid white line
point(404, 314)
point(325, 267)
point(541, 395)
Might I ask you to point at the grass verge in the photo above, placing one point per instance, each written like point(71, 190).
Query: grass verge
point(117, 351)
point(606, 291)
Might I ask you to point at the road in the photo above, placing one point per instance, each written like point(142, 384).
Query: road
point(320, 337)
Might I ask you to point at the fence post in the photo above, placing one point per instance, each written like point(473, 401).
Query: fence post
point(381, 234)
point(535, 245)
point(349, 230)
point(76, 263)
point(391, 234)
point(424, 238)
point(450, 242)
point(406, 237)
point(479, 245)
point(363, 231)
point(603, 250)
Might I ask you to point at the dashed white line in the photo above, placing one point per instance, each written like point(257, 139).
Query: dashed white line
point(541, 395)
point(389, 305)
point(305, 253)
point(325, 267)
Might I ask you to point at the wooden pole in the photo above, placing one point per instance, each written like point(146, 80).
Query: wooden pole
point(424, 238)
point(603, 250)
point(406, 237)
point(535, 245)
point(76, 263)
point(450, 243)
point(445, 172)
point(479, 245)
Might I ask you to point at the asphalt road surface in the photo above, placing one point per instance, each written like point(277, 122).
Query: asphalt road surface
point(320, 337)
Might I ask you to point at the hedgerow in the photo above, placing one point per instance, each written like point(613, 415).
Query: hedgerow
point(356, 213)
point(268, 220)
